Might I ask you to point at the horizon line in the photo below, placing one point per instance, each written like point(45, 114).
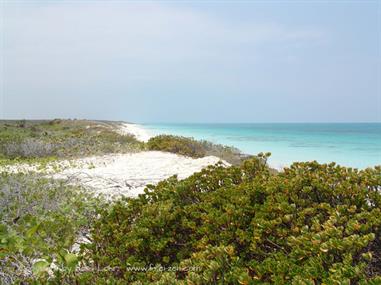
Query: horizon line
point(196, 122)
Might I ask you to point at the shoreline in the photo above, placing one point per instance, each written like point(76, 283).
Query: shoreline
point(138, 131)
point(348, 145)
point(143, 134)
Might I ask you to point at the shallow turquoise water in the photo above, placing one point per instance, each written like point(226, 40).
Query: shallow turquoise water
point(355, 145)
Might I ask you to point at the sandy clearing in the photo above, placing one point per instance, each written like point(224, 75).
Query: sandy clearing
point(128, 174)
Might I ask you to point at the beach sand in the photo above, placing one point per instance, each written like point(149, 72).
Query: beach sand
point(136, 130)
point(128, 174)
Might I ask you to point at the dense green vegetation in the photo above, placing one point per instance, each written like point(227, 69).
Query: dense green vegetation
point(311, 224)
point(194, 148)
point(62, 138)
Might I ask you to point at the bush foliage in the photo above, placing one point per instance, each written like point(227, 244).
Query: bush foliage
point(193, 148)
point(311, 224)
point(40, 220)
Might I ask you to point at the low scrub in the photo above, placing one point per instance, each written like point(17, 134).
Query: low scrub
point(311, 224)
point(62, 138)
point(193, 148)
point(40, 220)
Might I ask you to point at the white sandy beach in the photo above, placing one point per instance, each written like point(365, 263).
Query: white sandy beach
point(136, 130)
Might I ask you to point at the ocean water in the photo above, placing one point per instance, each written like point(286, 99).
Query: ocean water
point(353, 145)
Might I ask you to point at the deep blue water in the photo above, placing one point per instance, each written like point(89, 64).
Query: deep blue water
point(354, 145)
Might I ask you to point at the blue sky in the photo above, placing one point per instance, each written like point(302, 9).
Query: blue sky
point(216, 61)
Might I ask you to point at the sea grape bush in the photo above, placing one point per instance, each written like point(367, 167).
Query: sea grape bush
point(194, 148)
point(311, 224)
point(175, 144)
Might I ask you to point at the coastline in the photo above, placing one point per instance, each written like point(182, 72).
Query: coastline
point(144, 134)
point(138, 131)
point(355, 145)
point(128, 174)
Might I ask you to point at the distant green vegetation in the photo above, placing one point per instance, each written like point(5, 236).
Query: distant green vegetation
point(62, 138)
point(311, 224)
point(193, 148)
point(36, 140)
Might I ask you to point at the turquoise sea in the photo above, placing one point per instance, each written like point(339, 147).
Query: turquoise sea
point(349, 144)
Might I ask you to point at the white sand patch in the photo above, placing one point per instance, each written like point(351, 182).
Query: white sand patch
point(48, 168)
point(136, 130)
point(114, 175)
point(128, 174)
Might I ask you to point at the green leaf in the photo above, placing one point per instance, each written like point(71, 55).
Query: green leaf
point(71, 260)
point(32, 230)
point(40, 267)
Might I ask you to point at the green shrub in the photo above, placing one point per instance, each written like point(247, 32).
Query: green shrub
point(40, 220)
point(193, 148)
point(311, 224)
point(179, 145)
